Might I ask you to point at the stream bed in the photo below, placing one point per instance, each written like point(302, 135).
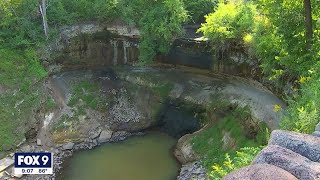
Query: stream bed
point(137, 158)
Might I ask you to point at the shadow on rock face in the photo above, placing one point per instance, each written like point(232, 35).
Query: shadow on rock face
point(176, 120)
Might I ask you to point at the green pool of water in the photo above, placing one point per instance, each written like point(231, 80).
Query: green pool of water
point(146, 157)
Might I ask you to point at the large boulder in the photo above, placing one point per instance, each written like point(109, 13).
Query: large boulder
point(68, 146)
point(296, 164)
point(105, 136)
point(259, 172)
point(5, 163)
point(184, 152)
point(304, 144)
point(192, 170)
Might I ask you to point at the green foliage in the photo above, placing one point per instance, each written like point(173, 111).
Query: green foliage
point(209, 143)
point(198, 9)
point(159, 22)
point(229, 22)
point(292, 60)
point(87, 93)
point(20, 68)
point(20, 72)
point(285, 39)
point(162, 89)
point(273, 31)
point(61, 12)
point(20, 25)
point(242, 158)
point(263, 135)
point(50, 104)
point(303, 112)
point(15, 114)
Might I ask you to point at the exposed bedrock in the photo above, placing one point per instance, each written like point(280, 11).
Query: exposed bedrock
point(259, 172)
point(117, 43)
point(294, 153)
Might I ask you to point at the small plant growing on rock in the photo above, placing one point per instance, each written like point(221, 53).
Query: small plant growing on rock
point(242, 158)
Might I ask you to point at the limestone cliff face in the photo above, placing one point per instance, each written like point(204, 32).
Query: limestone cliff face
point(116, 43)
point(95, 45)
point(201, 54)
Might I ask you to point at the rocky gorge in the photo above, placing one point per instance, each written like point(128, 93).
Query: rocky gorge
point(98, 96)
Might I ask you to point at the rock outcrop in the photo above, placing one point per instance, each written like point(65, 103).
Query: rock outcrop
point(192, 170)
point(304, 144)
point(105, 136)
point(5, 163)
point(296, 164)
point(259, 172)
point(184, 152)
point(295, 154)
point(68, 146)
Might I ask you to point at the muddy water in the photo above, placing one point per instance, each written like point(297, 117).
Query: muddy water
point(138, 158)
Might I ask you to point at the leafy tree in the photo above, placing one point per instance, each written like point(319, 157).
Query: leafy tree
point(231, 24)
point(159, 22)
point(277, 32)
point(198, 9)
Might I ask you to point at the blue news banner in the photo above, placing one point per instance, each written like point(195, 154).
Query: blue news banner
point(33, 163)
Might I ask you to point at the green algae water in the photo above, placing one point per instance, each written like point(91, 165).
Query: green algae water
point(146, 157)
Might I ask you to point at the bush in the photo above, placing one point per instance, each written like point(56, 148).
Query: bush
point(243, 157)
point(198, 9)
point(273, 32)
point(20, 72)
point(303, 112)
point(160, 24)
point(230, 22)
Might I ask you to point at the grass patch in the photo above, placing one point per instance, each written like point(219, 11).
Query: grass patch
point(157, 85)
point(20, 73)
point(50, 104)
point(65, 122)
point(20, 69)
point(16, 115)
point(87, 93)
point(162, 89)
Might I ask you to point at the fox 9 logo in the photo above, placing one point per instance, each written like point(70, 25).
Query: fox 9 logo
point(33, 163)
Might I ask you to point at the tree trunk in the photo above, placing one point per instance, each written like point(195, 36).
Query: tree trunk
point(308, 22)
point(43, 10)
